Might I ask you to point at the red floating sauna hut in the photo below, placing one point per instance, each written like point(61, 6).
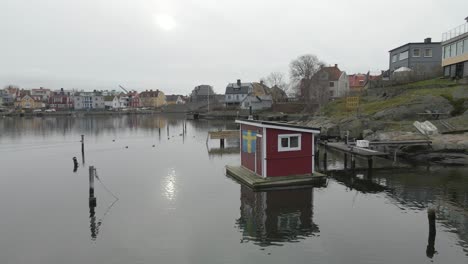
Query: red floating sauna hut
point(275, 154)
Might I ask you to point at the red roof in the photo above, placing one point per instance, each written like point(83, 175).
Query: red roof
point(334, 72)
point(357, 80)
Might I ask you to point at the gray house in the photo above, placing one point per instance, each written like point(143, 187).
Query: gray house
point(237, 92)
point(201, 93)
point(423, 58)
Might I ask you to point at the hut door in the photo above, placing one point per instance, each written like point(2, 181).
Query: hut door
point(258, 155)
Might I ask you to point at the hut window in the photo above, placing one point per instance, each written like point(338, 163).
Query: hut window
point(289, 142)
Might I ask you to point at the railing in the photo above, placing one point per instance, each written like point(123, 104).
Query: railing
point(455, 32)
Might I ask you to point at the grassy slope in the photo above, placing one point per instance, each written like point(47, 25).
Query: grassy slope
point(372, 105)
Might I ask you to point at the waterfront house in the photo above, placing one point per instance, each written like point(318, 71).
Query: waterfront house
point(237, 92)
point(455, 52)
point(153, 99)
point(272, 149)
point(124, 100)
point(88, 101)
point(423, 58)
point(111, 102)
point(1, 99)
point(61, 100)
point(133, 99)
point(41, 93)
point(257, 102)
point(202, 93)
point(29, 102)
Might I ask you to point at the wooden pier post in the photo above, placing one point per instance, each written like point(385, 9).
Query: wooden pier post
point(92, 172)
point(75, 164)
point(345, 161)
point(82, 150)
point(92, 204)
point(221, 143)
point(353, 162)
point(430, 250)
point(369, 163)
point(325, 159)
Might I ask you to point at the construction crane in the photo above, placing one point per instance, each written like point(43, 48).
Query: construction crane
point(121, 87)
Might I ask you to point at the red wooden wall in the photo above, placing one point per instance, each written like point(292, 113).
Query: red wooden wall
point(288, 162)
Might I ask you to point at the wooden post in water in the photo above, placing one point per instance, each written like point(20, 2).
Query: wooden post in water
point(168, 130)
point(353, 162)
point(325, 158)
point(92, 171)
point(92, 204)
point(430, 250)
point(369, 163)
point(82, 150)
point(345, 161)
point(221, 143)
point(75, 164)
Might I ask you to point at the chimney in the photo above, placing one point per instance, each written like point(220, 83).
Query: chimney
point(336, 65)
point(239, 82)
point(427, 40)
point(261, 82)
point(466, 18)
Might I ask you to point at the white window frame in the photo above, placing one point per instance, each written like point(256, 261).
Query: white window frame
point(419, 52)
point(288, 136)
point(427, 56)
point(404, 55)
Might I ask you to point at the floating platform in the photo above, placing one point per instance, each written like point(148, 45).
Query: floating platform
point(255, 182)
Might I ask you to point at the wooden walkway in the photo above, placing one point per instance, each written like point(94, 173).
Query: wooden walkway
point(256, 182)
point(398, 143)
point(363, 152)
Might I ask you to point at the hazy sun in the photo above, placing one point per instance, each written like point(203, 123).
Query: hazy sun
point(165, 21)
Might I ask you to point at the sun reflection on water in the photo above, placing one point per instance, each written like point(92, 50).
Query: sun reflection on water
point(169, 185)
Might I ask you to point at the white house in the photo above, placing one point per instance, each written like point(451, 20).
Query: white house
point(257, 102)
point(237, 92)
point(88, 100)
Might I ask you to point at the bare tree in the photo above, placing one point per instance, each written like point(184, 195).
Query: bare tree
point(12, 86)
point(304, 67)
point(276, 79)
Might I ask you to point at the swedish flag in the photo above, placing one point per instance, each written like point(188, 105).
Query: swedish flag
point(249, 141)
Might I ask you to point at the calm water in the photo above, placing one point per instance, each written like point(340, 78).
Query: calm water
point(175, 204)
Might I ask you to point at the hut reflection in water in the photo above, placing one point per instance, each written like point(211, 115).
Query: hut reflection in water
point(275, 217)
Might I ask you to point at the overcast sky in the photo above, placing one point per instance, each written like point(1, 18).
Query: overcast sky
point(174, 45)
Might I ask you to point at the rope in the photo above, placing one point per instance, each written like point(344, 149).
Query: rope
point(104, 186)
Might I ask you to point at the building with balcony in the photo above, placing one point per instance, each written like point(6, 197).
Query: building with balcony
point(423, 58)
point(455, 52)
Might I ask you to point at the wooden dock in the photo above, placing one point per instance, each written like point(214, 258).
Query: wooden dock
point(353, 151)
point(256, 182)
point(223, 134)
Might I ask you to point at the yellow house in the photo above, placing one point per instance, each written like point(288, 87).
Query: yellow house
point(154, 99)
point(27, 102)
